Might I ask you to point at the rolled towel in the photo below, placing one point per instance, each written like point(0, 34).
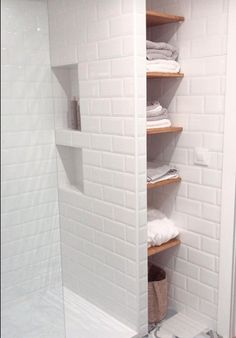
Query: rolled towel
point(163, 123)
point(160, 228)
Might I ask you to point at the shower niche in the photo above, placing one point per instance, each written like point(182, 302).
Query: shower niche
point(66, 97)
point(69, 139)
point(70, 168)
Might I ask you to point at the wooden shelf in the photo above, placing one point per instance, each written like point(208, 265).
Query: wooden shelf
point(158, 18)
point(163, 183)
point(159, 75)
point(168, 245)
point(154, 131)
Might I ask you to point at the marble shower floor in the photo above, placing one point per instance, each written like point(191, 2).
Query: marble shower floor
point(45, 315)
point(40, 316)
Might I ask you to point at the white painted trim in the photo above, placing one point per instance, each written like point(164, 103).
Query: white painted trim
point(228, 185)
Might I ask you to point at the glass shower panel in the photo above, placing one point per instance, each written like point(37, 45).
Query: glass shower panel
point(32, 297)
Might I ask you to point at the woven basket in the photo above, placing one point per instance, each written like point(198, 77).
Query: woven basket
point(157, 295)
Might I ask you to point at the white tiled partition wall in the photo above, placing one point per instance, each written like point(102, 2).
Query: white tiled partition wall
point(197, 103)
point(103, 225)
point(32, 303)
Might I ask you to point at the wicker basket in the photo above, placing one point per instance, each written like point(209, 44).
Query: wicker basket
point(157, 294)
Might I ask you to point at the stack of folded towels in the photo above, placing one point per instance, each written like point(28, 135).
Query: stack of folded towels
point(157, 116)
point(161, 57)
point(160, 228)
point(157, 173)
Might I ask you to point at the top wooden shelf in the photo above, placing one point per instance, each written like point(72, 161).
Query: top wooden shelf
point(158, 18)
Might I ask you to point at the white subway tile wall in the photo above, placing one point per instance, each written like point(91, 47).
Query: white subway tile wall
point(31, 265)
point(196, 103)
point(103, 226)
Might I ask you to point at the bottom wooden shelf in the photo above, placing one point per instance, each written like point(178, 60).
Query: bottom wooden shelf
point(168, 245)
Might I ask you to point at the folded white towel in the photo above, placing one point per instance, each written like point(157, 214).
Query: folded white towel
point(169, 66)
point(164, 123)
point(158, 68)
point(160, 228)
point(170, 63)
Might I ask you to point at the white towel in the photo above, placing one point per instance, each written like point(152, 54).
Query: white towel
point(158, 124)
point(154, 107)
point(160, 228)
point(169, 66)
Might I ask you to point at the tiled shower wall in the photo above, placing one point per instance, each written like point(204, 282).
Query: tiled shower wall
point(196, 103)
point(30, 216)
point(103, 225)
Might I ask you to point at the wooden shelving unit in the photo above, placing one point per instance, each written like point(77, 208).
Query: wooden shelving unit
point(162, 75)
point(158, 18)
point(154, 18)
point(153, 131)
point(168, 245)
point(163, 183)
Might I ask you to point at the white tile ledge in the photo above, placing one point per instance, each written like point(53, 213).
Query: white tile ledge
point(72, 138)
point(79, 311)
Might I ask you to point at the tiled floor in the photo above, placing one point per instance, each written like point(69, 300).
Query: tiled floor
point(181, 326)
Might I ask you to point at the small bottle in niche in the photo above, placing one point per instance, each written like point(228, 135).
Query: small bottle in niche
point(72, 116)
point(78, 115)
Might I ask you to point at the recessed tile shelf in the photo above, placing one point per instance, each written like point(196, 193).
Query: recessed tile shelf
point(163, 183)
point(162, 75)
point(158, 18)
point(168, 245)
point(72, 138)
point(154, 131)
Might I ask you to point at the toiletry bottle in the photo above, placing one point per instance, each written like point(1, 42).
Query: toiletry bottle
point(72, 118)
point(78, 115)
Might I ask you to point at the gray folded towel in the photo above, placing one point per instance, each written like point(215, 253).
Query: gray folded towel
point(161, 51)
point(160, 45)
point(164, 52)
point(158, 56)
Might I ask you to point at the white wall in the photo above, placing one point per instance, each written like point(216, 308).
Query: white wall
point(30, 217)
point(226, 324)
point(196, 103)
point(104, 226)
